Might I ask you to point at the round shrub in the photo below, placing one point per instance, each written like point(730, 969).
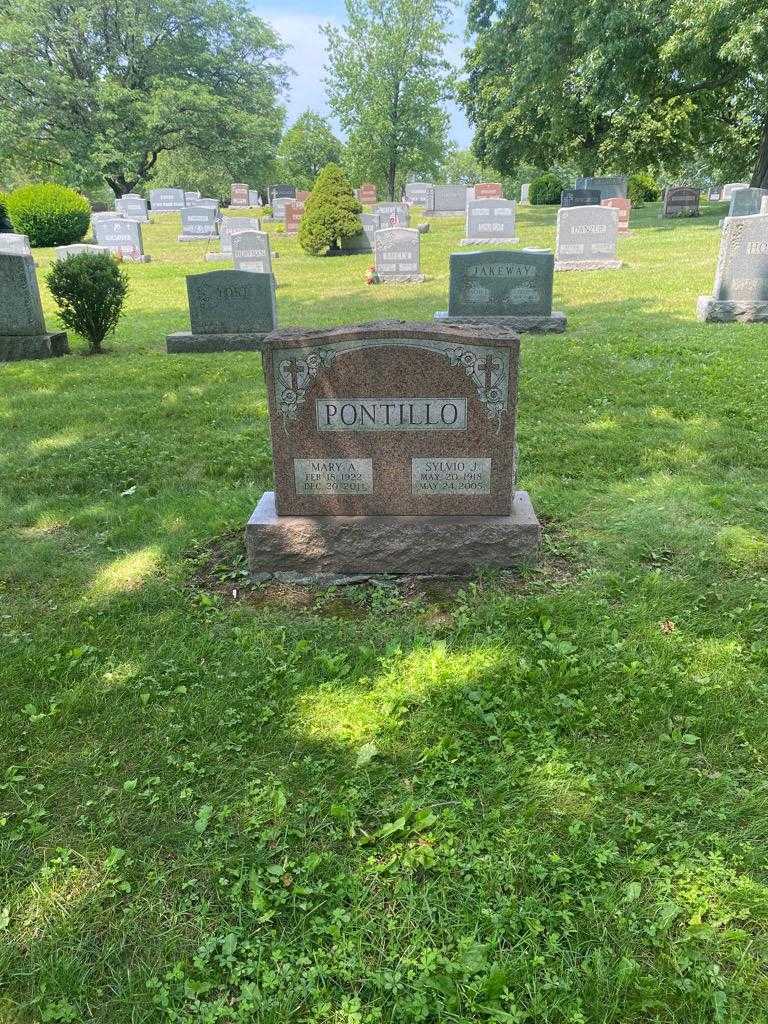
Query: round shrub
point(546, 190)
point(49, 214)
point(331, 213)
point(89, 290)
point(642, 188)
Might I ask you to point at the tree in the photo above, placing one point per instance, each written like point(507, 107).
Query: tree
point(331, 214)
point(462, 166)
point(387, 80)
point(630, 85)
point(307, 146)
point(102, 88)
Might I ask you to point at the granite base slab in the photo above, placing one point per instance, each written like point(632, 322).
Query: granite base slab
point(195, 238)
point(555, 323)
point(588, 264)
point(723, 311)
point(443, 213)
point(185, 341)
point(36, 346)
point(402, 279)
point(216, 257)
point(451, 545)
point(489, 241)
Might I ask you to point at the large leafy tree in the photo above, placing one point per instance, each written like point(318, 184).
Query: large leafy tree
point(102, 88)
point(387, 79)
point(307, 146)
point(620, 84)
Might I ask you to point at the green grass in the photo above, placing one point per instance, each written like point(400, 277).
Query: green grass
point(538, 801)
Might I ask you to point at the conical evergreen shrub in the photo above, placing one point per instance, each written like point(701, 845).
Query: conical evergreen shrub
point(331, 213)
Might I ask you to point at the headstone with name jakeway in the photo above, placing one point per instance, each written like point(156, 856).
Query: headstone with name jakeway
point(229, 311)
point(624, 208)
point(239, 194)
point(610, 187)
point(122, 237)
point(741, 278)
point(746, 201)
point(251, 252)
point(367, 194)
point(579, 197)
point(681, 201)
point(510, 289)
point(198, 222)
point(398, 255)
point(394, 452)
point(446, 200)
point(167, 200)
point(229, 226)
point(586, 238)
point(490, 222)
point(23, 333)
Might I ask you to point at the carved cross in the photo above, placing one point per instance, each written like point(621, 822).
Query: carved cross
point(488, 366)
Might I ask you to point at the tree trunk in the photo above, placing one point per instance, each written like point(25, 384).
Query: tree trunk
point(391, 172)
point(760, 173)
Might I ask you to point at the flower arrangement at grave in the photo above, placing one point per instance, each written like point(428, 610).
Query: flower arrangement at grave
point(331, 214)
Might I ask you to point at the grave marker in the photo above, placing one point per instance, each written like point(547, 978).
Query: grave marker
point(681, 201)
point(586, 238)
point(394, 451)
point(63, 252)
point(363, 241)
point(197, 222)
point(741, 279)
point(251, 252)
point(167, 200)
point(489, 190)
point(122, 237)
point(490, 222)
point(417, 192)
point(525, 189)
point(367, 194)
point(612, 187)
point(17, 245)
point(254, 199)
point(239, 194)
point(511, 289)
point(293, 214)
point(23, 334)
point(730, 188)
point(229, 311)
point(229, 226)
point(397, 255)
point(134, 208)
point(392, 214)
point(191, 197)
point(579, 197)
point(445, 200)
point(746, 201)
point(624, 208)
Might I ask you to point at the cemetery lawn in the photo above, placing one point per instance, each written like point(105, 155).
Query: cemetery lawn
point(538, 798)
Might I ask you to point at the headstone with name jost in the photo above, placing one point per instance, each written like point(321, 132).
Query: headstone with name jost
point(586, 238)
point(134, 208)
point(367, 194)
point(417, 192)
point(294, 211)
point(229, 226)
point(490, 222)
point(579, 197)
point(394, 452)
point(611, 187)
point(167, 200)
point(730, 188)
point(239, 194)
point(122, 237)
point(681, 201)
point(18, 245)
point(624, 208)
point(251, 252)
point(511, 289)
point(525, 189)
point(746, 201)
point(392, 214)
point(446, 200)
point(741, 279)
point(198, 222)
point(229, 311)
point(23, 334)
point(398, 255)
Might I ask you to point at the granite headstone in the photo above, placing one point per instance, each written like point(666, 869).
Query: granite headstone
point(367, 194)
point(580, 197)
point(417, 191)
point(23, 333)
point(586, 238)
point(229, 226)
point(167, 200)
point(134, 208)
point(611, 187)
point(18, 245)
point(251, 252)
point(294, 211)
point(746, 201)
point(198, 222)
point(122, 237)
point(741, 279)
point(730, 188)
point(397, 255)
point(446, 199)
point(239, 194)
point(681, 201)
point(392, 214)
point(229, 310)
point(624, 208)
point(490, 222)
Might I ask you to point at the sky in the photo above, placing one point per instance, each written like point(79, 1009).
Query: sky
point(298, 22)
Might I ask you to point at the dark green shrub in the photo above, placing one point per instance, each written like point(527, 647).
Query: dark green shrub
point(89, 290)
point(546, 190)
point(5, 223)
point(642, 188)
point(49, 214)
point(331, 213)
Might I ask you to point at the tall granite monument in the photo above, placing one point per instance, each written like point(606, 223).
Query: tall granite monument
point(23, 334)
point(741, 279)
